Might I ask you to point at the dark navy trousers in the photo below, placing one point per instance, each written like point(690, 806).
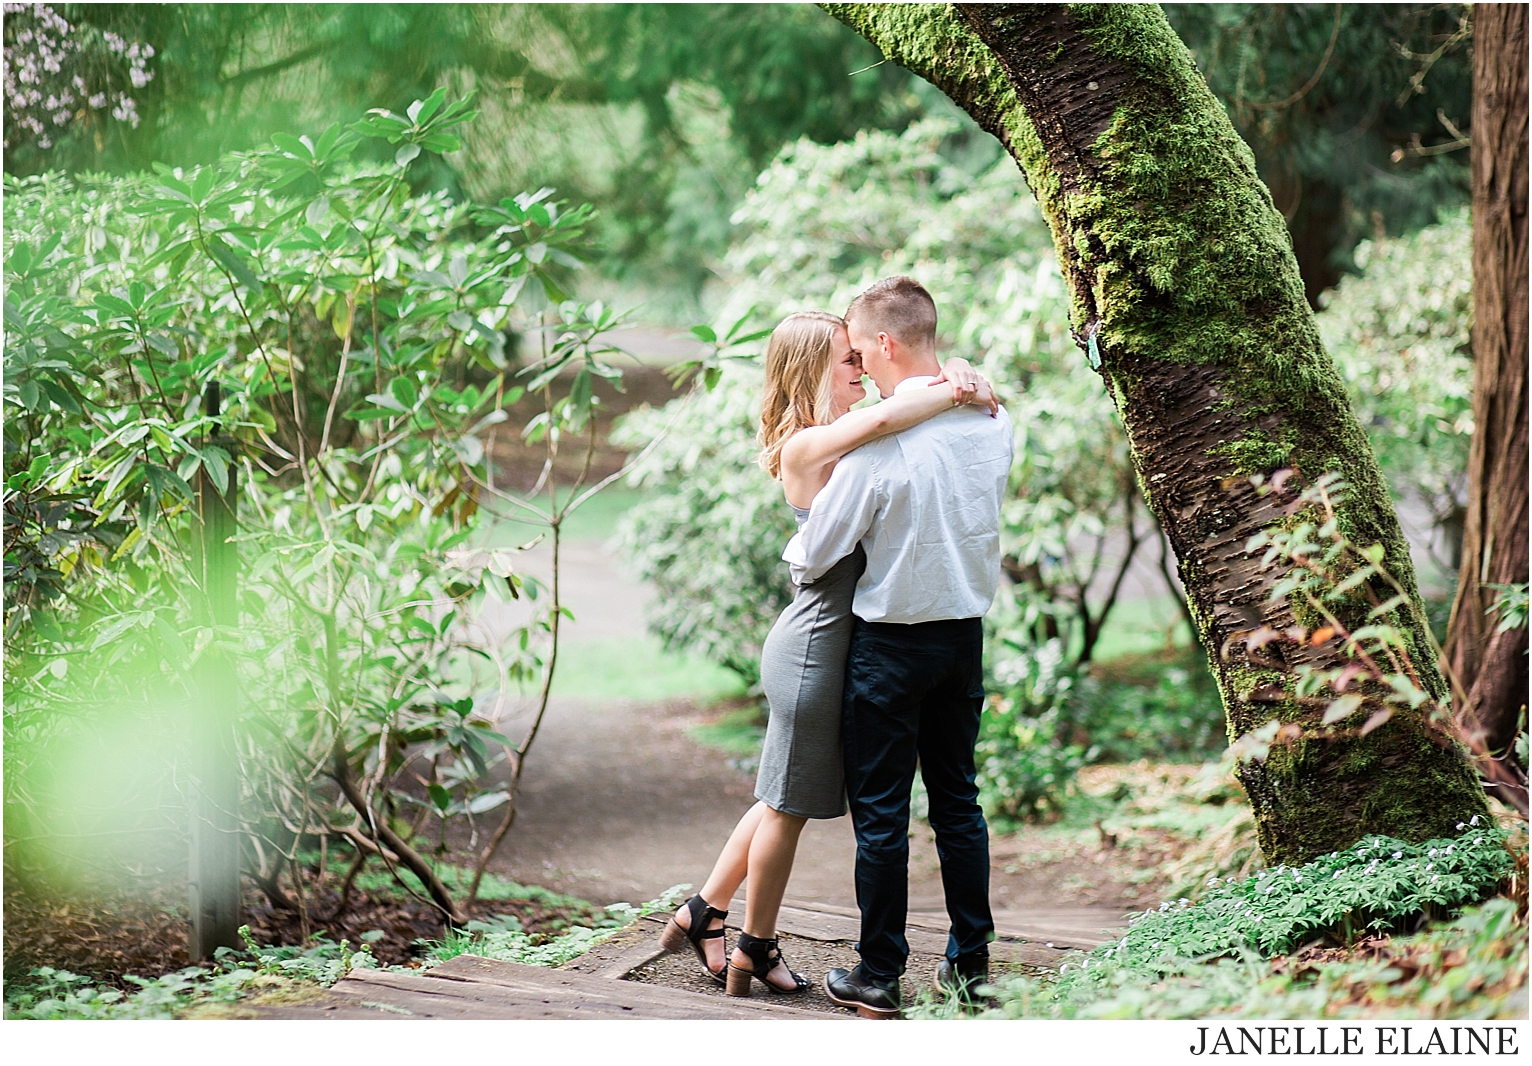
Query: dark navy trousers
point(914, 693)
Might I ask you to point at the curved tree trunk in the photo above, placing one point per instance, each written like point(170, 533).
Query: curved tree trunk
point(1489, 666)
point(1182, 273)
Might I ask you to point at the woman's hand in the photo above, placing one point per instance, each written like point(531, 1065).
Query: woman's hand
point(968, 385)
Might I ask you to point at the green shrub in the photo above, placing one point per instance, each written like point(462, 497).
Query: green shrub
point(710, 538)
point(1399, 335)
point(1047, 718)
point(1025, 759)
point(1178, 716)
point(357, 333)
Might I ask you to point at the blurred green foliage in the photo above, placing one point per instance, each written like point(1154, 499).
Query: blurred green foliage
point(1399, 331)
point(659, 113)
point(358, 331)
point(1353, 111)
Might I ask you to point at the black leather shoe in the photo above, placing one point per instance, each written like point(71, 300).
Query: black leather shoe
point(962, 981)
point(848, 988)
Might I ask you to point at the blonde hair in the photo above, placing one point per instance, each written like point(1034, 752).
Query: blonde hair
point(800, 381)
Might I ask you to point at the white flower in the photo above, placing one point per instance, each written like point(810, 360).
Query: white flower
point(1474, 820)
point(1398, 854)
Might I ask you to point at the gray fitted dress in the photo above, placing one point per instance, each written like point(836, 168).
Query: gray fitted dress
point(803, 664)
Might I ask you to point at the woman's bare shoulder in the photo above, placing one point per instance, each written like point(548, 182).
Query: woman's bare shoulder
point(802, 443)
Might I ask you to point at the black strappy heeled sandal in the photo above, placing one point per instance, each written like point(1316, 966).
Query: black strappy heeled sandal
point(764, 955)
point(676, 938)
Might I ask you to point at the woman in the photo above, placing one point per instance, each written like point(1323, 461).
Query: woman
point(813, 377)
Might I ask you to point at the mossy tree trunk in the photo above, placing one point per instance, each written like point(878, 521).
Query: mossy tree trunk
point(1490, 665)
point(1182, 273)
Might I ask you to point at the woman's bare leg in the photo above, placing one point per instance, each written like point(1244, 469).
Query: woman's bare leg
point(773, 846)
point(728, 872)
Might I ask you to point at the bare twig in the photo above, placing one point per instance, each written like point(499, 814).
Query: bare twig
point(1324, 62)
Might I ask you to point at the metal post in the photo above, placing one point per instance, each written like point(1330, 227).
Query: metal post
point(214, 875)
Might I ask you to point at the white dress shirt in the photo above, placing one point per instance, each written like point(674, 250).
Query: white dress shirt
point(925, 506)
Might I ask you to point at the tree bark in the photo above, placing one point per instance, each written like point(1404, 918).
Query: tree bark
point(1490, 667)
point(1183, 282)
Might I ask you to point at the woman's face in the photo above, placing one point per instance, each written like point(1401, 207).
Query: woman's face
point(848, 373)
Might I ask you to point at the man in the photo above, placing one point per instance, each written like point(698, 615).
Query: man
point(925, 506)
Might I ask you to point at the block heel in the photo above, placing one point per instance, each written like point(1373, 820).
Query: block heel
point(738, 983)
point(675, 938)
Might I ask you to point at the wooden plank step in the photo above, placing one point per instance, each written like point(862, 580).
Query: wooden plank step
point(473, 987)
point(1035, 936)
point(819, 922)
point(1070, 927)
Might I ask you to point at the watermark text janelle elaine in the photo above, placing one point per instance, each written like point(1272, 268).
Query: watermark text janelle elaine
point(1355, 1040)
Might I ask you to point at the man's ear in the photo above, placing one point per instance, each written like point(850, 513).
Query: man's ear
point(887, 345)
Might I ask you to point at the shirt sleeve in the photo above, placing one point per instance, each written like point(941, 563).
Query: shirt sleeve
point(842, 514)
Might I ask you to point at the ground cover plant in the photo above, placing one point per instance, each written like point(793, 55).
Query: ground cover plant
point(1209, 958)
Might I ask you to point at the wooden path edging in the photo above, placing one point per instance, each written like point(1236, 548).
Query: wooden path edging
point(471, 987)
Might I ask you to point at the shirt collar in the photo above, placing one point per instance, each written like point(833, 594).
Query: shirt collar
point(919, 381)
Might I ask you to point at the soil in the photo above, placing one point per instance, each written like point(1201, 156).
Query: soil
point(103, 935)
point(143, 930)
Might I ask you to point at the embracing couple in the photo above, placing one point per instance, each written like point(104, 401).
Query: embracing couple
point(876, 664)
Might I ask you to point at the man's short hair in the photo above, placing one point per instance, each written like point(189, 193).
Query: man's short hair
point(899, 306)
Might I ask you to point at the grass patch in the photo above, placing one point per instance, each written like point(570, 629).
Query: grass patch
point(1474, 966)
point(639, 668)
point(596, 518)
point(1141, 626)
point(738, 732)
